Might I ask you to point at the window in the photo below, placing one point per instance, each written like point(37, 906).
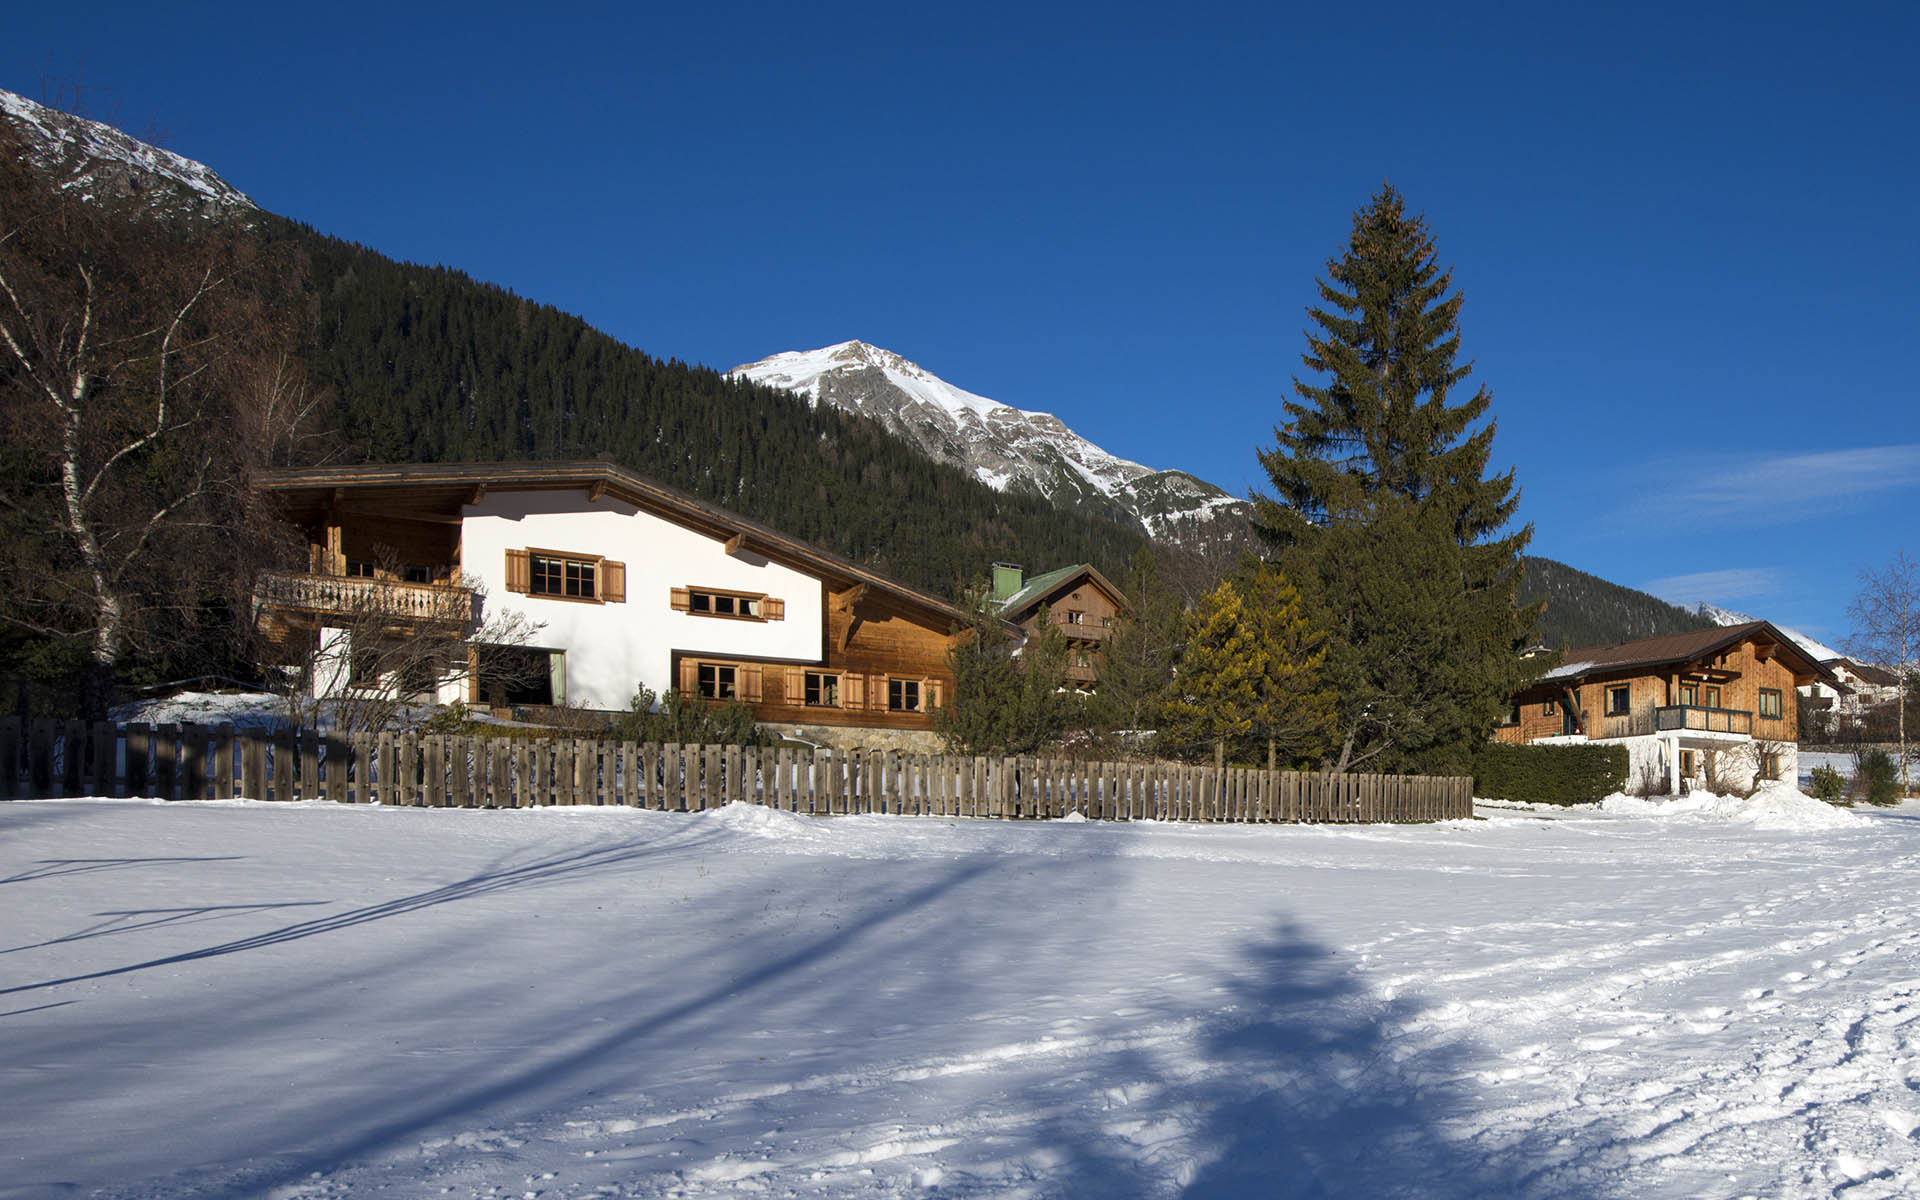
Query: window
point(822, 690)
point(1713, 697)
point(359, 568)
point(1619, 703)
point(1769, 765)
point(1076, 617)
point(903, 695)
point(717, 682)
point(1513, 714)
point(737, 606)
point(569, 577)
point(1770, 707)
point(1689, 764)
point(1550, 708)
point(558, 575)
point(414, 573)
point(1690, 695)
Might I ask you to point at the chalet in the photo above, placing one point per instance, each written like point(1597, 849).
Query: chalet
point(625, 583)
point(1077, 600)
point(1716, 705)
point(1856, 689)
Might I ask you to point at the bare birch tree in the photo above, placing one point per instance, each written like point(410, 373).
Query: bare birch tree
point(124, 342)
point(1886, 630)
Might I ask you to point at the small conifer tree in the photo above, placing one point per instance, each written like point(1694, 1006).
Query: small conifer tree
point(1253, 674)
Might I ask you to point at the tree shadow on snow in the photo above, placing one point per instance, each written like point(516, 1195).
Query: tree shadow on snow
point(1307, 1085)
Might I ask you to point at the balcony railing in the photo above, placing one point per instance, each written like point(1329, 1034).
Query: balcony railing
point(380, 599)
point(1705, 720)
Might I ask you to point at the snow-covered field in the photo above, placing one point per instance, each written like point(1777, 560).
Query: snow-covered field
point(308, 1001)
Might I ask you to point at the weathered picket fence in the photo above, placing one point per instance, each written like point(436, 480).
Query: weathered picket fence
point(47, 758)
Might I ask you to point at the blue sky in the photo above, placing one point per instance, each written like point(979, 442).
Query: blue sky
point(1683, 231)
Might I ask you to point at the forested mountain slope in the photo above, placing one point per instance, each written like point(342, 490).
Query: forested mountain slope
point(1586, 610)
point(428, 364)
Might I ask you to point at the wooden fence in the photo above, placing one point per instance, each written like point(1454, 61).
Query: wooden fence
point(46, 758)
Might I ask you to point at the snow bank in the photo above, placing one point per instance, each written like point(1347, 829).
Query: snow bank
point(1776, 805)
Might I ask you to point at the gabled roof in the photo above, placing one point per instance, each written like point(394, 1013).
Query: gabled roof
point(1679, 648)
point(1037, 589)
point(442, 488)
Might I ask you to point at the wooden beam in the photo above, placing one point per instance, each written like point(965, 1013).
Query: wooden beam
point(736, 544)
point(597, 489)
point(479, 493)
point(847, 600)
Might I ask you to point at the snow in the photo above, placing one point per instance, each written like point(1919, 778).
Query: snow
point(1818, 650)
point(976, 418)
point(1705, 997)
point(61, 137)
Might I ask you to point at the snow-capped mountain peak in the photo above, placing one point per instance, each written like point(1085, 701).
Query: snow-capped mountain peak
point(1003, 446)
point(1820, 651)
point(99, 162)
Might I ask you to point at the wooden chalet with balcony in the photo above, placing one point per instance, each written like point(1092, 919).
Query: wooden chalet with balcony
point(625, 582)
point(1077, 600)
point(1713, 705)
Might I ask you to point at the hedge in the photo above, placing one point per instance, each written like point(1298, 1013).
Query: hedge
point(1549, 774)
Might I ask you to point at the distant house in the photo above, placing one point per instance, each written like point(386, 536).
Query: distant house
point(1856, 687)
point(1714, 705)
point(1077, 600)
point(631, 583)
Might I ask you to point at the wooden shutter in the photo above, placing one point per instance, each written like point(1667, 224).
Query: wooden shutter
point(796, 684)
point(773, 609)
point(682, 599)
point(877, 693)
point(613, 582)
point(689, 677)
point(519, 572)
point(749, 680)
point(930, 695)
point(853, 691)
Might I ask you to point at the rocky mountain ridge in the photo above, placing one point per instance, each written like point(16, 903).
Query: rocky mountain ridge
point(1003, 446)
point(101, 162)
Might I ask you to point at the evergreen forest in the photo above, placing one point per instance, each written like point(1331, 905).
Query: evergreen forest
point(428, 365)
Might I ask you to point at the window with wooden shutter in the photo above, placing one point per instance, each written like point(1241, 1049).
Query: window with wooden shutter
point(519, 575)
point(750, 684)
point(689, 677)
point(613, 582)
point(934, 693)
point(855, 687)
point(774, 609)
point(727, 605)
point(795, 685)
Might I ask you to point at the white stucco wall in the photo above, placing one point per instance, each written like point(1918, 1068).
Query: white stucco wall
point(612, 648)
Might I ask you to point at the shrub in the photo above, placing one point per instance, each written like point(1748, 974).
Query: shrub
point(688, 720)
point(1829, 785)
point(1875, 779)
point(1549, 774)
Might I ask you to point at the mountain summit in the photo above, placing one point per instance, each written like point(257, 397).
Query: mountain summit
point(100, 162)
point(1006, 447)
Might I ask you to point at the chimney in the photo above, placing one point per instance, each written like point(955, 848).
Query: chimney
point(1007, 578)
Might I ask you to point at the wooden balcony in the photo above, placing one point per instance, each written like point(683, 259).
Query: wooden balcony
point(360, 599)
point(1704, 720)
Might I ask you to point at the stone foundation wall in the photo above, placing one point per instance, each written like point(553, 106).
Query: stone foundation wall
point(911, 741)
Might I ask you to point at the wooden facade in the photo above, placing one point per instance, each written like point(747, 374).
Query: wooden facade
point(1738, 680)
point(1080, 603)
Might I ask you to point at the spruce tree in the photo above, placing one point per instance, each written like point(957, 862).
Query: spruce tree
point(1384, 512)
point(1251, 675)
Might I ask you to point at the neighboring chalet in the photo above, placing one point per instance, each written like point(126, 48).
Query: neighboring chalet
point(1860, 687)
point(628, 582)
point(1078, 601)
point(1713, 705)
